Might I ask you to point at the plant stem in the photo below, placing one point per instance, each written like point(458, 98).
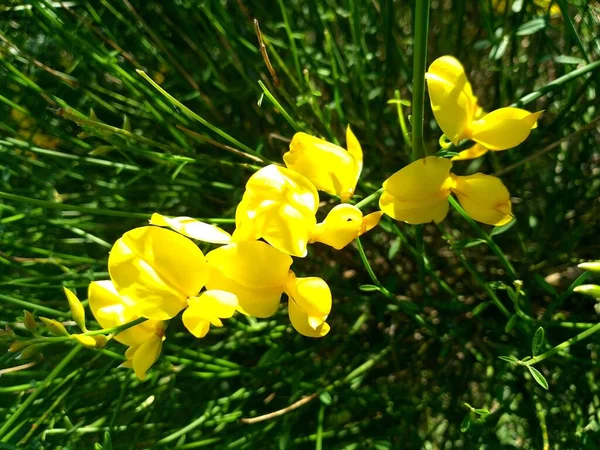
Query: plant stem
point(369, 199)
point(580, 337)
point(35, 394)
point(486, 237)
point(419, 66)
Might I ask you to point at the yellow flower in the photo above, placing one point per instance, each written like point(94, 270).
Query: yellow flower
point(279, 206)
point(209, 308)
point(460, 117)
point(192, 228)
point(309, 305)
point(419, 192)
point(254, 271)
point(328, 166)
point(144, 340)
point(343, 224)
point(484, 198)
point(157, 269)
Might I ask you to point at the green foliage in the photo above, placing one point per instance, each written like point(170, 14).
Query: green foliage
point(89, 149)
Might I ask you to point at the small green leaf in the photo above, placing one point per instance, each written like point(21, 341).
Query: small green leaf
point(368, 288)
point(480, 308)
point(565, 59)
point(538, 341)
point(510, 324)
point(126, 123)
point(593, 290)
point(503, 228)
point(537, 376)
point(533, 26)
point(482, 412)
point(394, 249)
point(325, 398)
point(593, 266)
point(511, 359)
point(466, 423)
point(499, 49)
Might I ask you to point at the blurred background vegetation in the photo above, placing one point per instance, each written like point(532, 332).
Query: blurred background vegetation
point(89, 149)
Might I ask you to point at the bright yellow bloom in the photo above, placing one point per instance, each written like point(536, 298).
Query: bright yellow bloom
point(144, 340)
point(460, 117)
point(209, 308)
point(279, 206)
point(343, 224)
point(328, 166)
point(157, 269)
point(484, 198)
point(254, 271)
point(309, 305)
point(192, 228)
point(419, 192)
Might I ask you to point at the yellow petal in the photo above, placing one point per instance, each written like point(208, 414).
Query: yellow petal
point(312, 296)
point(208, 308)
point(77, 310)
point(157, 270)
point(299, 320)
point(111, 310)
point(254, 271)
point(471, 153)
point(370, 221)
point(253, 301)
point(503, 128)
point(484, 198)
point(342, 225)
point(451, 96)
point(328, 166)
point(192, 228)
point(146, 355)
point(279, 205)
point(418, 193)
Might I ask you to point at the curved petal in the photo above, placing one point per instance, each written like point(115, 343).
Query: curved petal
point(157, 270)
point(484, 198)
point(253, 264)
point(111, 310)
point(418, 193)
point(312, 295)
point(192, 228)
point(209, 307)
point(342, 225)
point(451, 96)
point(503, 128)
point(146, 355)
point(252, 301)
point(370, 221)
point(471, 153)
point(299, 320)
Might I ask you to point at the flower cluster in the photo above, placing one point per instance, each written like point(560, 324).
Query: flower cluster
point(418, 193)
point(158, 271)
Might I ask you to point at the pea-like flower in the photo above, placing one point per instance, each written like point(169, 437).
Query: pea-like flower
point(279, 206)
point(309, 305)
point(160, 272)
point(144, 340)
point(252, 270)
point(343, 224)
point(328, 166)
point(419, 192)
point(460, 117)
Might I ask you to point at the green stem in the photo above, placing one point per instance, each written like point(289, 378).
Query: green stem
point(35, 394)
point(486, 237)
point(580, 337)
point(277, 105)
point(369, 199)
point(401, 119)
point(419, 67)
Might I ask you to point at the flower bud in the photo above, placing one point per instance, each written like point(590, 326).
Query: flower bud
point(77, 310)
point(593, 290)
point(17, 346)
point(31, 351)
point(86, 341)
point(29, 322)
point(55, 327)
point(593, 266)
